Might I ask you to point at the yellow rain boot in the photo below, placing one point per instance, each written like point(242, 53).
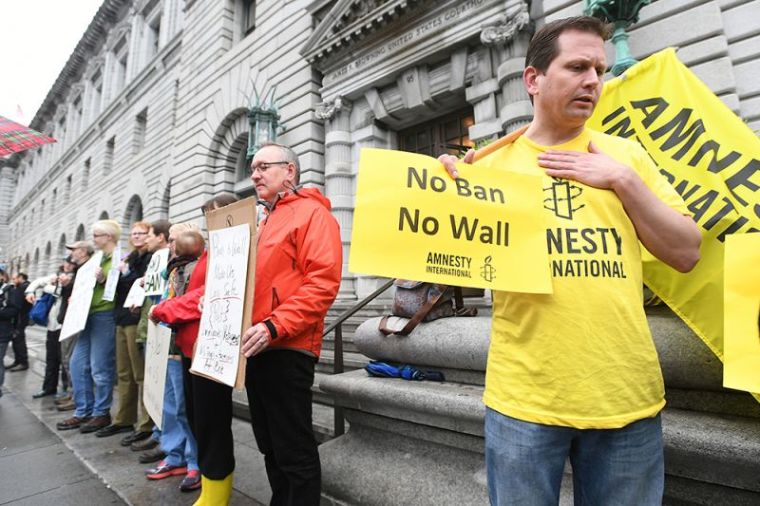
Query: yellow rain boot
point(215, 492)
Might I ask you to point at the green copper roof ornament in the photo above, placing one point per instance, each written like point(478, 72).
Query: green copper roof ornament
point(622, 14)
point(263, 119)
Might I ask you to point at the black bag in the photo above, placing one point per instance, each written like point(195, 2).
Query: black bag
point(424, 302)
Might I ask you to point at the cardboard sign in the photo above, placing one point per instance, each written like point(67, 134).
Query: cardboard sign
point(220, 309)
point(413, 221)
point(156, 357)
point(81, 297)
point(155, 283)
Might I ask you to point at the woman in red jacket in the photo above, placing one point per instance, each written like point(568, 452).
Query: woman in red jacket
point(208, 403)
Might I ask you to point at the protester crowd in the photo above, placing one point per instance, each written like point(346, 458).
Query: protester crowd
point(541, 409)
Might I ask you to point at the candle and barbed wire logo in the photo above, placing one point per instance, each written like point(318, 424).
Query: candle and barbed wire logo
point(562, 194)
point(488, 272)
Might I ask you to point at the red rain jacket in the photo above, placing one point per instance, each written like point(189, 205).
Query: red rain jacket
point(298, 270)
point(183, 311)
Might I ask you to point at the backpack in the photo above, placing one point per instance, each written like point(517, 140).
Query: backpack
point(424, 302)
point(39, 312)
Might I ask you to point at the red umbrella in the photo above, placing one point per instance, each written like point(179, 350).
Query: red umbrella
point(15, 138)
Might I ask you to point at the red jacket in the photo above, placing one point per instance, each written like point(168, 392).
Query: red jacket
point(182, 311)
point(299, 261)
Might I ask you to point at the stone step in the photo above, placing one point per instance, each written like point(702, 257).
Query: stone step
point(351, 361)
point(720, 452)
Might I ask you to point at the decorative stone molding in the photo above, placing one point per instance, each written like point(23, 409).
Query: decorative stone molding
point(75, 91)
point(327, 110)
point(94, 65)
point(121, 30)
point(503, 30)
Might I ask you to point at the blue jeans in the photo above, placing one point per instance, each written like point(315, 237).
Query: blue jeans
point(176, 438)
point(525, 461)
point(94, 362)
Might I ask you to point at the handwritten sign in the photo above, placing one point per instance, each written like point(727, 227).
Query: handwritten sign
point(136, 296)
point(485, 229)
point(217, 351)
point(81, 297)
point(156, 356)
point(155, 284)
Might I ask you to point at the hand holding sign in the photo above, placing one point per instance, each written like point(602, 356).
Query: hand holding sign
point(483, 229)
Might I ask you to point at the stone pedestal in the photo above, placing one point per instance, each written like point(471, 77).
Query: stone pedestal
point(422, 442)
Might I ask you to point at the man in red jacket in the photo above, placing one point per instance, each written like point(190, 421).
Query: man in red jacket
point(298, 272)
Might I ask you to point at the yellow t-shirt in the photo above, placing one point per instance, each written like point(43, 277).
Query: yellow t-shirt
point(582, 357)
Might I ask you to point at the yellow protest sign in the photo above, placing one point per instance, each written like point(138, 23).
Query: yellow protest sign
point(741, 351)
point(484, 229)
point(711, 158)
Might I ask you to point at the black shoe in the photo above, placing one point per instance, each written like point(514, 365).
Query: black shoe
point(19, 367)
point(43, 393)
point(113, 429)
point(134, 438)
point(152, 456)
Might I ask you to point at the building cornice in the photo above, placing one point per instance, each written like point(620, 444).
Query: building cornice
point(93, 38)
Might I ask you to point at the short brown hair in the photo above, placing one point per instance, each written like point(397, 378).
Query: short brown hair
point(543, 46)
point(161, 227)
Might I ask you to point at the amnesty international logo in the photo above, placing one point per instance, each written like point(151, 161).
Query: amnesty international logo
point(561, 198)
point(488, 272)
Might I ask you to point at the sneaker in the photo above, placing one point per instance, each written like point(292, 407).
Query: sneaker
point(72, 423)
point(164, 470)
point(191, 481)
point(112, 430)
point(135, 437)
point(152, 456)
point(144, 445)
point(95, 424)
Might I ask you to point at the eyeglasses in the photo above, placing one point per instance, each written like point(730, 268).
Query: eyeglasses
point(264, 166)
point(98, 235)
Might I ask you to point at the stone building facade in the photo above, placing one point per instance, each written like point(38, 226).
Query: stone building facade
point(150, 111)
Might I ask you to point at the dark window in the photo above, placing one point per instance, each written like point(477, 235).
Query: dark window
point(447, 134)
point(248, 18)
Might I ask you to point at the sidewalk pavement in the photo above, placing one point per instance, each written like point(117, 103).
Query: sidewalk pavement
point(67, 465)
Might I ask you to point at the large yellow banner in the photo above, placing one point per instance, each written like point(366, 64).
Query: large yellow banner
point(711, 158)
point(412, 221)
point(742, 313)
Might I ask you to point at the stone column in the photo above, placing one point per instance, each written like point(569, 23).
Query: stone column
point(339, 178)
point(7, 184)
point(508, 39)
point(369, 136)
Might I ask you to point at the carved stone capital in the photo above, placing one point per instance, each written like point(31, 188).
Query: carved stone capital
point(327, 110)
point(506, 27)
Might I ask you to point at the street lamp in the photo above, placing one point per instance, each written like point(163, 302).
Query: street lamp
point(622, 14)
point(263, 120)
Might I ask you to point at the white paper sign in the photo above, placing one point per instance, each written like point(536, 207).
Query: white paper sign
point(109, 292)
point(217, 351)
point(156, 357)
point(136, 296)
point(81, 297)
point(155, 284)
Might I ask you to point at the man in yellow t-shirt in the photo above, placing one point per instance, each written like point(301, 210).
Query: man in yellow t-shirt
point(575, 373)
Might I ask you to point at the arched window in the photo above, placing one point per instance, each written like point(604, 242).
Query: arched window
point(47, 265)
point(103, 215)
point(35, 264)
point(134, 211)
point(79, 236)
point(61, 251)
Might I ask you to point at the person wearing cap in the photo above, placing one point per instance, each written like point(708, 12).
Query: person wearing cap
point(53, 285)
point(81, 251)
point(93, 361)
